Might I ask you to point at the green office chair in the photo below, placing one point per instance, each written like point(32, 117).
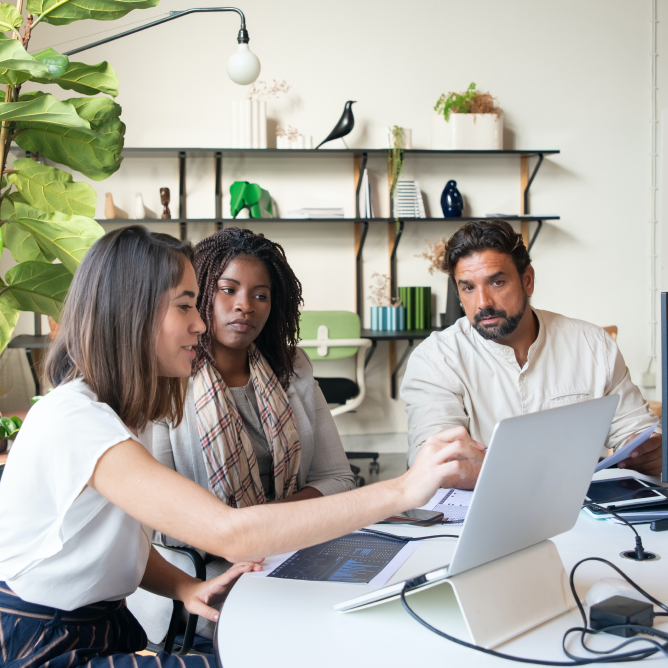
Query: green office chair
point(332, 335)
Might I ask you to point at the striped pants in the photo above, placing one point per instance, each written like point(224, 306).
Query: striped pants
point(103, 635)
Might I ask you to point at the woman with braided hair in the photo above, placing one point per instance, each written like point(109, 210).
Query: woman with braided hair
point(256, 426)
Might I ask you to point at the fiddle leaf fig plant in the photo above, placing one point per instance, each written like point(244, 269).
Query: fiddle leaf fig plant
point(46, 218)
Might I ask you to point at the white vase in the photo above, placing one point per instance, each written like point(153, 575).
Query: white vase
point(140, 209)
point(249, 124)
point(467, 132)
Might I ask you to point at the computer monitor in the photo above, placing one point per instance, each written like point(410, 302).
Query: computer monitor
point(664, 384)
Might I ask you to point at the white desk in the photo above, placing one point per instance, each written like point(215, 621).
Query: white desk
point(288, 623)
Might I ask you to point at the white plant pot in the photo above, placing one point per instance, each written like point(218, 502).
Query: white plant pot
point(467, 132)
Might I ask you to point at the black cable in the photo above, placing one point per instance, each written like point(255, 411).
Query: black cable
point(393, 536)
point(639, 550)
point(575, 661)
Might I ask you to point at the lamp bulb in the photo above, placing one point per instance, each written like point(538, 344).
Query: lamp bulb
point(243, 66)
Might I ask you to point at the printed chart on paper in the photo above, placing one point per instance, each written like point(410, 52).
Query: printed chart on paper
point(356, 558)
point(453, 503)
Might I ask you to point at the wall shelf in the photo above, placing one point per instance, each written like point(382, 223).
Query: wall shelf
point(395, 226)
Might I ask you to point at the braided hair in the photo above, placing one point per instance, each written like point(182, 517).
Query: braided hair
point(278, 339)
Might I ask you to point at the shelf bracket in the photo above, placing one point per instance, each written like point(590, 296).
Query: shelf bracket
point(360, 235)
point(530, 181)
point(393, 260)
point(358, 267)
point(219, 191)
point(400, 363)
point(182, 196)
point(535, 234)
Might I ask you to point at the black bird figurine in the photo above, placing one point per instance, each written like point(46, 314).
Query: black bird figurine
point(344, 126)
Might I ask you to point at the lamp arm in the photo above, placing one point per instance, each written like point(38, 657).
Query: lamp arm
point(242, 37)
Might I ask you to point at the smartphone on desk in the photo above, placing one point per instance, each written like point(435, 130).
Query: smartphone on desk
point(415, 516)
point(623, 493)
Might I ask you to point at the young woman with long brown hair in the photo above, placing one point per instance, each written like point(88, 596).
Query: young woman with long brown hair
point(82, 491)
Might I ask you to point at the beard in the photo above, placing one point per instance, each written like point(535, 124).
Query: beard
point(507, 325)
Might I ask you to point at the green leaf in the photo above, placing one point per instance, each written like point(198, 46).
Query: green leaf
point(43, 108)
point(38, 286)
point(95, 153)
point(89, 79)
point(17, 65)
point(51, 189)
point(67, 237)
point(9, 314)
point(96, 110)
point(56, 62)
point(10, 17)
point(7, 211)
point(100, 10)
point(22, 244)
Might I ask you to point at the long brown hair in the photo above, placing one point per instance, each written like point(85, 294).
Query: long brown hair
point(110, 322)
point(278, 339)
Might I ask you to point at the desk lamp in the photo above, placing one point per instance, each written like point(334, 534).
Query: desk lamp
point(243, 66)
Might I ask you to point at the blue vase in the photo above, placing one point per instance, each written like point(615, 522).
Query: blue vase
point(451, 201)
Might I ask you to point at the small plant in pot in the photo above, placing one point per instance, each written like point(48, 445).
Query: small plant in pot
point(471, 120)
point(387, 314)
point(9, 430)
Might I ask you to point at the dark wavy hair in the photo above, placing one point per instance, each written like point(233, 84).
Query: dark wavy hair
point(278, 339)
point(482, 235)
point(110, 321)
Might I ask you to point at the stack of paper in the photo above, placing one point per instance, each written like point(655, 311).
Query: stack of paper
point(315, 213)
point(408, 202)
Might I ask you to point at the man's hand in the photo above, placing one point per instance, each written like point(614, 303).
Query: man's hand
point(449, 459)
point(646, 458)
point(199, 597)
point(466, 475)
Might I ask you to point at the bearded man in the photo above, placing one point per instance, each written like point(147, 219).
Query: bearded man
point(505, 358)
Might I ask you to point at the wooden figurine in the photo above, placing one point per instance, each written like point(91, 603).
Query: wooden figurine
point(111, 211)
point(164, 200)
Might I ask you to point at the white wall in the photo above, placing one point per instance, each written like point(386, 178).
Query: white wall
point(571, 75)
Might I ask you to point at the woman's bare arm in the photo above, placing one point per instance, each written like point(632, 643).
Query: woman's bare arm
point(134, 481)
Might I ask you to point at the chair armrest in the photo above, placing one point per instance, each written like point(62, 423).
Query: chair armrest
point(322, 345)
point(191, 625)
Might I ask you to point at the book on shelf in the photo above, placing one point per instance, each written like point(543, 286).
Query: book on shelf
point(408, 201)
point(366, 203)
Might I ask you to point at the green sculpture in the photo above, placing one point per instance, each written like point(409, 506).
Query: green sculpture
point(251, 196)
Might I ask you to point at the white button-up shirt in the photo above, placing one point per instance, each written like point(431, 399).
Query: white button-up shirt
point(457, 378)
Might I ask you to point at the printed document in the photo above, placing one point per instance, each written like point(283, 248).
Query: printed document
point(453, 503)
point(626, 450)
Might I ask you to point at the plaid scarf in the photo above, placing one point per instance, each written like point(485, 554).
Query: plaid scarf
point(234, 476)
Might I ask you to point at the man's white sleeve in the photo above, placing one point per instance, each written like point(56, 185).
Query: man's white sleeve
point(433, 396)
point(633, 412)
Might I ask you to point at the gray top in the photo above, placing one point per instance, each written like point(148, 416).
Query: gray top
point(323, 461)
point(246, 403)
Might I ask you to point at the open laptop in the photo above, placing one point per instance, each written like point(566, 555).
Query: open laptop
point(531, 487)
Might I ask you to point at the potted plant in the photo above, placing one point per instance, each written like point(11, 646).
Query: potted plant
point(471, 120)
point(388, 315)
point(46, 218)
point(9, 430)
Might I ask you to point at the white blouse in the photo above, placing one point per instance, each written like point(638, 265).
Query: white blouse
point(62, 544)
